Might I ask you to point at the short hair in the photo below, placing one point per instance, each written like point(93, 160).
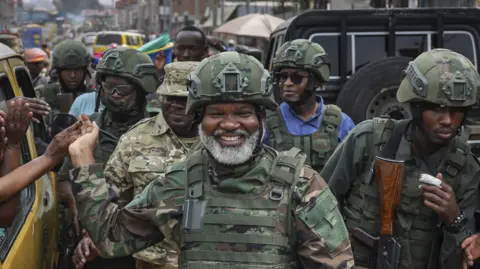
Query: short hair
point(191, 28)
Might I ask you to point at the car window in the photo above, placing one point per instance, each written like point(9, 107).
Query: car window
point(369, 48)
point(27, 196)
point(107, 39)
point(331, 44)
point(26, 87)
point(461, 42)
point(132, 41)
point(411, 45)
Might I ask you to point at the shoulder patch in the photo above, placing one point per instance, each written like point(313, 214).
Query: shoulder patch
point(146, 120)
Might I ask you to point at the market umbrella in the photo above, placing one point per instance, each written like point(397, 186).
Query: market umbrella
point(254, 25)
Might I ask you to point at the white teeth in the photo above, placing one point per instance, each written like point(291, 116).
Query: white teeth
point(230, 138)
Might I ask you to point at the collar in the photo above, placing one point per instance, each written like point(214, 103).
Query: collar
point(317, 114)
point(160, 126)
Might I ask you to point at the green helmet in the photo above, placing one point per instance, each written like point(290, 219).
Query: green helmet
point(70, 54)
point(440, 76)
point(130, 64)
point(175, 81)
point(304, 54)
point(229, 77)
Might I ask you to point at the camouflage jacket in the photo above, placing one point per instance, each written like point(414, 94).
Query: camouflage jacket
point(348, 176)
point(142, 155)
point(155, 213)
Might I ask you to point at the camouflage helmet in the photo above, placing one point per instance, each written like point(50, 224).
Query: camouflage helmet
point(304, 54)
point(130, 64)
point(175, 80)
point(440, 76)
point(229, 77)
point(70, 54)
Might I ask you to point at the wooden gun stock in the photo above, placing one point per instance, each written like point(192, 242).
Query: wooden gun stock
point(389, 176)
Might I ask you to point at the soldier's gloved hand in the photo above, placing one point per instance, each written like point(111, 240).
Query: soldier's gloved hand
point(471, 248)
point(19, 118)
point(442, 200)
point(85, 251)
point(37, 106)
point(58, 148)
point(89, 138)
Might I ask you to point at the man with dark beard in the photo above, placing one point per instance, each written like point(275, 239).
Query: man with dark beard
point(303, 121)
point(430, 221)
point(234, 203)
point(124, 76)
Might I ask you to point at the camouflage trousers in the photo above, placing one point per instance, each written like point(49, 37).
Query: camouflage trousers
point(163, 255)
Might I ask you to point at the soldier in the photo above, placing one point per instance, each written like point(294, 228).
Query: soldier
point(36, 60)
point(300, 68)
point(124, 76)
point(143, 153)
point(245, 205)
point(70, 61)
point(440, 86)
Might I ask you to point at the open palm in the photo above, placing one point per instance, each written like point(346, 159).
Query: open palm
point(88, 138)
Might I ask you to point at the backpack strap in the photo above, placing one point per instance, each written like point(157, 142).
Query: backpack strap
point(195, 166)
point(285, 172)
point(274, 126)
point(382, 130)
point(331, 120)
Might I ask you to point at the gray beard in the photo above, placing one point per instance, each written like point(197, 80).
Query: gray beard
point(230, 155)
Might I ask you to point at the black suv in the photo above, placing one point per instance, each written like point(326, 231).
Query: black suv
point(368, 49)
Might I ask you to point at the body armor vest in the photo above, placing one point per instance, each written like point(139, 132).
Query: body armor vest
point(245, 231)
point(414, 223)
point(318, 146)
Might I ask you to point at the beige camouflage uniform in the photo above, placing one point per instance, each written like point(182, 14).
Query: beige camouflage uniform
point(142, 155)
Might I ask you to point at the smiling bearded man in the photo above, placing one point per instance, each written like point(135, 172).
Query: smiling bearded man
point(235, 202)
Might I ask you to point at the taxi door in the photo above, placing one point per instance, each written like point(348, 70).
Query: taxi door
point(30, 243)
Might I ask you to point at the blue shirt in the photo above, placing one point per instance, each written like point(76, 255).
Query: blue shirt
point(297, 126)
point(85, 104)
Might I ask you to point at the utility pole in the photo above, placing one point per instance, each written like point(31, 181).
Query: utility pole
point(197, 11)
point(222, 10)
point(214, 13)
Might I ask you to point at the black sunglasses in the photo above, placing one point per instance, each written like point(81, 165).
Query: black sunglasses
point(295, 78)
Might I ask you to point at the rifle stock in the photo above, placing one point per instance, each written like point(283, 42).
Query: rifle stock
point(389, 176)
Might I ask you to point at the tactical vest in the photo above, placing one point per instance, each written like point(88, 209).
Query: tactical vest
point(247, 231)
point(414, 223)
point(318, 146)
point(106, 141)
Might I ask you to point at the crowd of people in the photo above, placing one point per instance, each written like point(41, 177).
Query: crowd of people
point(224, 177)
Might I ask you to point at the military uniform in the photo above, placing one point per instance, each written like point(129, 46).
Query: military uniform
point(319, 145)
point(143, 154)
point(121, 62)
point(350, 170)
point(270, 212)
point(68, 54)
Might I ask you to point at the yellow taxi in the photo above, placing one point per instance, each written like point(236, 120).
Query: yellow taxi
point(106, 38)
point(31, 242)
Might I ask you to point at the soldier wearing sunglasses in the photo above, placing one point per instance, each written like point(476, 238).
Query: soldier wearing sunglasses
point(124, 77)
point(303, 121)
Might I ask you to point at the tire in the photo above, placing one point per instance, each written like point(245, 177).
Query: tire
point(371, 91)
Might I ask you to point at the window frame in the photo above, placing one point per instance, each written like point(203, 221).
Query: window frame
point(27, 195)
point(429, 34)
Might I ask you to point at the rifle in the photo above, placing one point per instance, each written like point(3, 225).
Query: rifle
point(389, 175)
